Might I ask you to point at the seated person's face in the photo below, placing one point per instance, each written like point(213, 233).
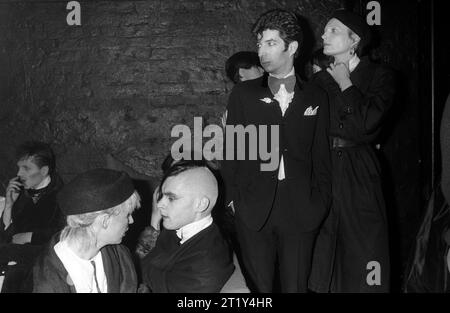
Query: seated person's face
point(177, 202)
point(251, 73)
point(118, 225)
point(30, 174)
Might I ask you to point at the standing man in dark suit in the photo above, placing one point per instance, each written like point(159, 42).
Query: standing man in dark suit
point(278, 211)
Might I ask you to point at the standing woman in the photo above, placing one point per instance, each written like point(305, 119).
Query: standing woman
point(352, 252)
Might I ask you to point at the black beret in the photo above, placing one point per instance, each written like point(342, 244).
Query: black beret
point(355, 22)
point(95, 190)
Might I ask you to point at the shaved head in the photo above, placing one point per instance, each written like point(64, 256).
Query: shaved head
point(188, 194)
point(200, 182)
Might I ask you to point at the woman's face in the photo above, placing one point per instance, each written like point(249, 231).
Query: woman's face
point(118, 225)
point(336, 39)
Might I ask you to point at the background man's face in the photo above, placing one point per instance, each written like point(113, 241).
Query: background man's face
point(30, 174)
point(272, 54)
point(250, 73)
point(177, 203)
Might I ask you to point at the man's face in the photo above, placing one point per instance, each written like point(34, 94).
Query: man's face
point(336, 38)
point(30, 174)
point(274, 58)
point(250, 73)
point(178, 202)
point(118, 225)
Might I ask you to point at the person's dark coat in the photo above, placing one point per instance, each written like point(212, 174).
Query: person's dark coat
point(50, 276)
point(201, 264)
point(355, 232)
point(303, 142)
point(43, 218)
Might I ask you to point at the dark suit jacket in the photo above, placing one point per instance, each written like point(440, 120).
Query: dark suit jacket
point(201, 264)
point(43, 218)
point(358, 112)
point(303, 142)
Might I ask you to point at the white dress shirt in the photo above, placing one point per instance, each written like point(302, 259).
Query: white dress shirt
point(284, 98)
point(44, 183)
point(80, 271)
point(188, 231)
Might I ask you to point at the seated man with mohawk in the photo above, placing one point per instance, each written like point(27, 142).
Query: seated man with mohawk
point(189, 253)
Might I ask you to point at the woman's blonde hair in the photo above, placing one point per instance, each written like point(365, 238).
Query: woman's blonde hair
point(79, 227)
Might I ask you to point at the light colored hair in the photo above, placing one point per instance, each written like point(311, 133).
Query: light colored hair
point(358, 47)
point(79, 228)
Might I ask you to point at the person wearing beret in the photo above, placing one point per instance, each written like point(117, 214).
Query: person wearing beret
point(86, 256)
point(351, 253)
point(188, 254)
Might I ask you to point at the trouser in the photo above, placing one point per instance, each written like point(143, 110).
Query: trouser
point(278, 242)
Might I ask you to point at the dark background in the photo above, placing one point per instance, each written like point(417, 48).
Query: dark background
point(117, 84)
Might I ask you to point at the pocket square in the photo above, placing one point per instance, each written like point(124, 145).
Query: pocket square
point(310, 111)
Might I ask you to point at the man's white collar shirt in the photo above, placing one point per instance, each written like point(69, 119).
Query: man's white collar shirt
point(188, 231)
point(284, 98)
point(80, 271)
point(44, 183)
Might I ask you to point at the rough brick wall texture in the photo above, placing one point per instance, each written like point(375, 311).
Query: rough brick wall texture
point(120, 81)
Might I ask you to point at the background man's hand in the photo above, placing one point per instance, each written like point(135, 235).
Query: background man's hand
point(231, 206)
point(12, 191)
point(156, 213)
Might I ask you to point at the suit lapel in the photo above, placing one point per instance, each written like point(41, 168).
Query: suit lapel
point(297, 96)
point(267, 94)
point(187, 245)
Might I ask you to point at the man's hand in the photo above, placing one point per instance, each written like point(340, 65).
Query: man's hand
point(146, 241)
point(341, 74)
point(231, 206)
point(223, 119)
point(22, 238)
point(156, 213)
point(12, 191)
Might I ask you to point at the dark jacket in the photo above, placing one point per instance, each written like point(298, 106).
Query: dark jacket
point(50, 276)
point(355, 232)
point(43, 218)
point(303, 142)
point(201, 264)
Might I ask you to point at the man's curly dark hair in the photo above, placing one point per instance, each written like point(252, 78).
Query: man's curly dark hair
point(285, 22)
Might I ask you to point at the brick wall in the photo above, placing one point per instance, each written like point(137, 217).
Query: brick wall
point(120, 81)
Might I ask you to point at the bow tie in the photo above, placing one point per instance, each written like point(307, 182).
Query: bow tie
point(275, 83)
point(33, 192)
